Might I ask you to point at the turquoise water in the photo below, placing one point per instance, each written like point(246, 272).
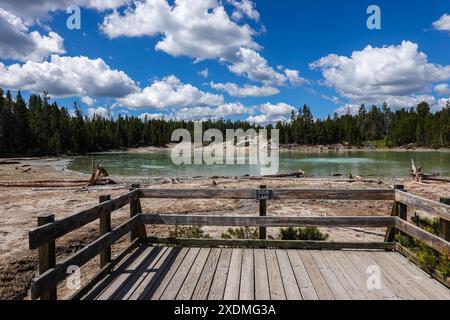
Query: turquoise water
point(320, 164)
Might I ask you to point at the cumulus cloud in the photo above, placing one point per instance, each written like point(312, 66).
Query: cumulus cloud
point(33, 10)
point(442, 88)
point(151, 116)
point(244, 8)
point(246, 91)
point(204, 113)
point(200, 30)
point(348, 109)
point(271, 113)
point(204, 73)
point(251, 64)
point(170, 92)
point(99, 112)
point(394, 74)
point(18, 43)
point(88, 101)
point(443, 24)
point(197, 29)
point(67, 76)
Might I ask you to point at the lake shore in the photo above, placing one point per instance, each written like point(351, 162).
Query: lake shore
point(302, 148)
point(20, 207)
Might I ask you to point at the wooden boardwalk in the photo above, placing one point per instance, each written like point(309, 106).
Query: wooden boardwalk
point(170, 273)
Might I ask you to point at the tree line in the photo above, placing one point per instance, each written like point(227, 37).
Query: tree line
point(39, 127)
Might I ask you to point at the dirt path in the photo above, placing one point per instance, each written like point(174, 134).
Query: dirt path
point(20, 207)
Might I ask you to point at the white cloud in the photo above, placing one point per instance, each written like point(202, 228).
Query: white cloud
point(33, 10)
point(251, 64)
point(205, 113)
point(197, 29)
point(18, 43)
point(246, 91)
point(395, 74)
point(67, 76)
point(88, 101)
point(204, 73)
point(98, 112)
point(244, 8)
point(443, 24)
point(442, 88)
point(200, 30)
point(170, 92)
point(151, 116)
point(278, 109)
point(348, 109)
point(271, 113)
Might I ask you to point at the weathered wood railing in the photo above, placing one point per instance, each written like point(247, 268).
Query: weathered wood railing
point(51, 272)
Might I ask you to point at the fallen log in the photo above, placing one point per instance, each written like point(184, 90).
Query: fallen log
point(419, 176)
point(5, 162)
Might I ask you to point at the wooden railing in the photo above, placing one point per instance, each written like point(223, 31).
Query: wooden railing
point(48, 230)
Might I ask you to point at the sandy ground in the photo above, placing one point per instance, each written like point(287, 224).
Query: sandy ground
point(20, 207)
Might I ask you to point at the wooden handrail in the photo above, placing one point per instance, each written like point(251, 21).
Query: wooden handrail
point(429, 206)
point(276, 194)
point(433, 241)
point(43, 234)
point(256, 221)
point(48, 279)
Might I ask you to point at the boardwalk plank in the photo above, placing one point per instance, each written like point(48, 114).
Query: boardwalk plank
point(187, 289)
point(303, 281)
point(287, 275)
point(153, 277)
point(261, 277)
point(426, 280)
point(276, 287)
point(234, 276)
point(168, 275)
point(398, 276)
point(177, 281)
point(358, 276)
point(204, 283)
point(125, 274)
point(320, 285)
point(247, 289)
point(220, 278)
point(330, 277)
point(345, 278)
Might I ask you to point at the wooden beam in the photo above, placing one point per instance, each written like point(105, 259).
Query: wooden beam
point(319, 245)
point(54, 275)
point(105, 227)
point(51, 231)
point(391, 232)
point(252, 221)
point(444, 224)
point(440, 245)
point(135, 209)
point(278, 194)
point(262, 213)
point(47, 258)
point(104, 271)
point(429, 206)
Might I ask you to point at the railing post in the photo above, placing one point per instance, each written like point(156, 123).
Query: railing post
point(47, 257)
point(262, 213)
point(135, 208)
point(105, 227)
point(398, 210)
point(444, 225)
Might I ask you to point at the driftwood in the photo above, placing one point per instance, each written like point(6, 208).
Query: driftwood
point(4, 162)
point(419, 176)
point(98, 174)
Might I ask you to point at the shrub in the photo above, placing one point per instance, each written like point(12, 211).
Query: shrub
point(191, 232)
point(241, 233)
point(307, 233)
point(430, 225)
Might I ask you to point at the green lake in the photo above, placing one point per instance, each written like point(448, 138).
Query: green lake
point(319, 164)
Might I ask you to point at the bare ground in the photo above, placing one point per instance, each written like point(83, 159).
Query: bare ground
point(20, 207)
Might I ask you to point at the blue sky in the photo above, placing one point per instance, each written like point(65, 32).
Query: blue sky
point(263, 58)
